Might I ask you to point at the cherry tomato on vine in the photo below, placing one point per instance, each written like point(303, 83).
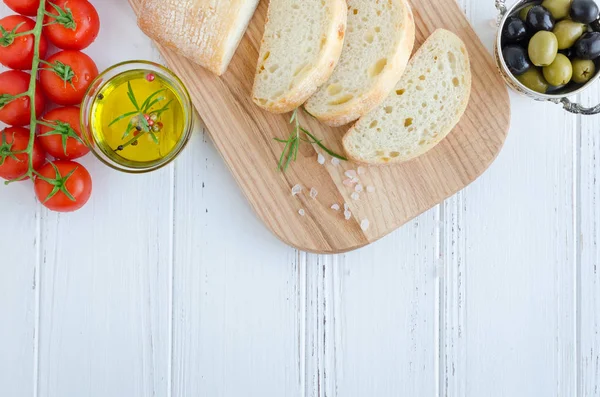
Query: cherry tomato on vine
point(24, 7)
point(60, 134)
point(15, 139)
point(66, 76)
point(17, 112)
point(63, 186)
point(16, 52)
point(74, 24)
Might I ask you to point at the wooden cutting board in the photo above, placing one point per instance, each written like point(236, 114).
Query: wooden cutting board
point(243, 134)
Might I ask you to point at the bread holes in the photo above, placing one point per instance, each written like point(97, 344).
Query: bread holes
point(400, 92)
point(378, 13)
point(389, 109)
point(273, 68)
point(334, 89)
point(452, 60)
point(374, 124)
point(408, 122)
point(376, 69)
point(379, 153)
point(455, 82)
point(422, 77)
point(422, 142)
point(341, 100)
point(266, 56)
point(423, 105)
point(355, 11)
point(436, 97)
point(295, 6)
point(394, 154)
point(419, 88)
point(377, 28)
point(369, 37)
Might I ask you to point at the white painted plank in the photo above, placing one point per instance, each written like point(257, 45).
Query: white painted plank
point(588, 241)
point(19, 250)
point(238, 292)
point(105, 271)
point(373, 316)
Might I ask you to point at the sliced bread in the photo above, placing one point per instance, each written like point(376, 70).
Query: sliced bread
point(426, 104)
point(301, 45)
point(379, 40)
point(205, 31)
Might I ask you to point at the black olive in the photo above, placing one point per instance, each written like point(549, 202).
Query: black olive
point(515, 30)
point(568, 52)
point(539, 18)
point(588, 46)
point(584, 11)
point(595, 26)
point(516, 59)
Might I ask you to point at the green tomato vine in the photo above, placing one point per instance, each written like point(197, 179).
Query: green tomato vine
point(30, 93)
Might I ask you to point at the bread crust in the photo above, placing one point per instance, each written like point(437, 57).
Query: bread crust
point(461, 110)
point(362, 105)
point(205, 31)
point(320, 72)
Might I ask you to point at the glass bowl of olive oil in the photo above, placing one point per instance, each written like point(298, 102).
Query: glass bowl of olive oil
point(137, 116)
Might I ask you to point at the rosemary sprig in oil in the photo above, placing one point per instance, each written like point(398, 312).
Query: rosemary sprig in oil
point(290, 151)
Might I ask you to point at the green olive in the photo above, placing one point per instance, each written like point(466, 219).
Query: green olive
point(558, 8)
point(567, 32)
point(543, 48)
point(524, 11)
point(559, 72)
point(583, 70)
point(534, 80)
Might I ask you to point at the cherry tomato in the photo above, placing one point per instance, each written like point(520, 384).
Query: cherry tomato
point(15, 139)
point(66, 81)
point(17, 52)
point(63, 186)
point(62, 141)
point(17, 112)
point(74, 25)
point(24, 7)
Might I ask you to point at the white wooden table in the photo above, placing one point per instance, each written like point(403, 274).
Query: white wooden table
point(167, 285)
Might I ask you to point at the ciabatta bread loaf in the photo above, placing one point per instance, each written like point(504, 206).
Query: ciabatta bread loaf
point(301, 45)
point(205, 31)
point(424, 107)
point(379, 40)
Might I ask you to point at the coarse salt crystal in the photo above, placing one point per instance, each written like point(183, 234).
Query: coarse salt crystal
point(321, 159)
point(361, 170)
point(335, 161)
point(348, 182)
point(370, 189)
point(346, 207)
point(364, 224)
point(358, 188)
point(335, 207)
point(313, 193)
point(355, 196)
point(347, 215)
point(301, 212)
point(355, 180)
point(296, 190)
point(350, 174)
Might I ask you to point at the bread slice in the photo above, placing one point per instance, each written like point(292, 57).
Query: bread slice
point(301, 45)
point(379, 40)
point(426, 104)
point(205, 31)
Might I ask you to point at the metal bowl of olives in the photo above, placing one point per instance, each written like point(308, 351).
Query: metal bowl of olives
point(550, 50)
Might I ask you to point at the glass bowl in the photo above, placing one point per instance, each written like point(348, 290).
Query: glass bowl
point(92, 137)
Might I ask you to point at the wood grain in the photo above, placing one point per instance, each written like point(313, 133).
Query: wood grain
point(244, 134)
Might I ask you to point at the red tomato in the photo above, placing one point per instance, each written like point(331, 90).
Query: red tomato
point(17, 52)
point(17, 112)
point(25, 7)
point(64, 140)
point(66, 81)
point(63, 186)
point(74, 25)
point(15, 139)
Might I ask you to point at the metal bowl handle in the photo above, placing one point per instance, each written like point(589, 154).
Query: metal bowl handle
point(577, 108)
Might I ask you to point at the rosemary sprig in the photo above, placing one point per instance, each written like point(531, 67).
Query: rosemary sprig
point(137, 117)
point(290, 151)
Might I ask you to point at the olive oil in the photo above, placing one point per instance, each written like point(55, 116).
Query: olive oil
point(137, 117)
